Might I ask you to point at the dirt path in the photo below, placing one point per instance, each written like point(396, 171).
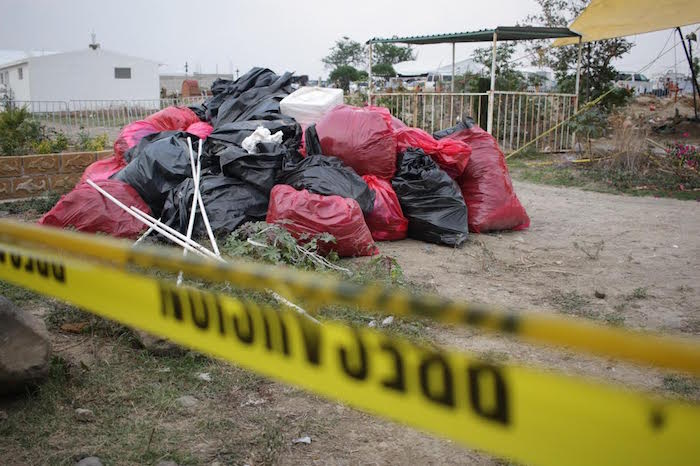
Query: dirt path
point(643, 253)
point(647, 266)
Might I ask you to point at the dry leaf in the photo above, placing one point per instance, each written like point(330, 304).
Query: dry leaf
point(74, 327)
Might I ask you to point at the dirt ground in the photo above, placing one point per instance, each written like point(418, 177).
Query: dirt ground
point(643, 253)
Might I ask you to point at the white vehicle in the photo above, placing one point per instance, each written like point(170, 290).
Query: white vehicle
point(639, 83)
point(435, 78)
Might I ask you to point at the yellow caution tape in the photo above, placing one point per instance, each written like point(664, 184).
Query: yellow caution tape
point(317, 290)
point(508, 410)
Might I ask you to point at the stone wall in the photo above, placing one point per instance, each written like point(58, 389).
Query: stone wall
point(34, 175)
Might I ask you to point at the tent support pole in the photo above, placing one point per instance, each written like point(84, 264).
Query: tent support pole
point(578, 69)
point(696, 88)
point(492, 95)
point(452, 88)
point(369, 73)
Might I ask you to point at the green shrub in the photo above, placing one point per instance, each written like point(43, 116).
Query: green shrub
point(52, 141)
point(18, 131)
point(91, 144)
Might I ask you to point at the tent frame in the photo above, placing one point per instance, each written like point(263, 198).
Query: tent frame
point(503, 33)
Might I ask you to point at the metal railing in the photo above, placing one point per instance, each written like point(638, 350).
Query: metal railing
point(94, 117)
point(431, 111)
point(518, 117)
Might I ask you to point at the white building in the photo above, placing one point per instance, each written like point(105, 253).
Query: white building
point(89, 74)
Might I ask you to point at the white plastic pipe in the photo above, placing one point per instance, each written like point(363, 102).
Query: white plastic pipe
point(143, 236)
point(195, 180)
point(205, 217)
point(142, 219)
point(197, 199)
point(174, 232)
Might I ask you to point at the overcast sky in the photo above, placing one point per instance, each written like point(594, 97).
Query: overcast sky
point(282, 35)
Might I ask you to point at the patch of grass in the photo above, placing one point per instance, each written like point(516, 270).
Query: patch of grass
point(17, 294)
point(638, 293)
point(680, 384)
point(138, 421)
point(569, 302)
point(602, 178)
point(620, 307)
point(60, 313)
point(615, 320)
point(35, 205)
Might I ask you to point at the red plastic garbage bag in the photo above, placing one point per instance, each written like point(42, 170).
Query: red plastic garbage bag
point(361, 137)
point(87, 210)
point(201, 129)
point(397, 124)
point(450, 154)
point(173, 119)
point(386, 221)
point(103, 169)
point(486, 185)
point(131, 134)
point(302, 212)
point(168, 119)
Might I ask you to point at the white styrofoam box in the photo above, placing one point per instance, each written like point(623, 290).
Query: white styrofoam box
point(308, 104)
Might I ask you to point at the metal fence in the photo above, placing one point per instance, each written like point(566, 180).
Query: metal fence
point(93, 117)
point(434, 111)
point(518, 117)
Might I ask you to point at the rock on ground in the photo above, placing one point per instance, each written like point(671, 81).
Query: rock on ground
point(89, 461)
point(84, 415)
point(24, 348)
point(188, 401)
point(157, 345)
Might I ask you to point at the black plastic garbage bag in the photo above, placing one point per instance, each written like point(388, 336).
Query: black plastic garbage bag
point(229, 203)
point(311, 141)
point(461, 125)
point(260, 169)
point(430, 200)
point(234, 133)
point(158, 163)
point(223, 89)
point(259, 103)
point(200, 111)
point(254, 96)
point(328, 176)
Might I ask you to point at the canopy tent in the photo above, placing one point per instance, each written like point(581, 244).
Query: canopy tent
point(605, 19)
point(484, 35)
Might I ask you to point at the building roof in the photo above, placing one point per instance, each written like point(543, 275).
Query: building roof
point(484, 35)
point(421, 68)
point(17, 57)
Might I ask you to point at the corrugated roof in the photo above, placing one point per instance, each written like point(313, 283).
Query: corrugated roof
point(484, 35)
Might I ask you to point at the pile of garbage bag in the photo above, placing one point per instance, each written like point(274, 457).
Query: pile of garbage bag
point(357, 173)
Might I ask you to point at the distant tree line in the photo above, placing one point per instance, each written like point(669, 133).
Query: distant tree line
point(347, 58)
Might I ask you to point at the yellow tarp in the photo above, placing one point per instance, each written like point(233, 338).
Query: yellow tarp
point(605, 19)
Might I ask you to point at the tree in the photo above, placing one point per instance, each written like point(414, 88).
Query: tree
point(597, 73)
point(507, 78)
point(385, 70)
point(391, 54)
point(345, 52)
point(343, 74)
